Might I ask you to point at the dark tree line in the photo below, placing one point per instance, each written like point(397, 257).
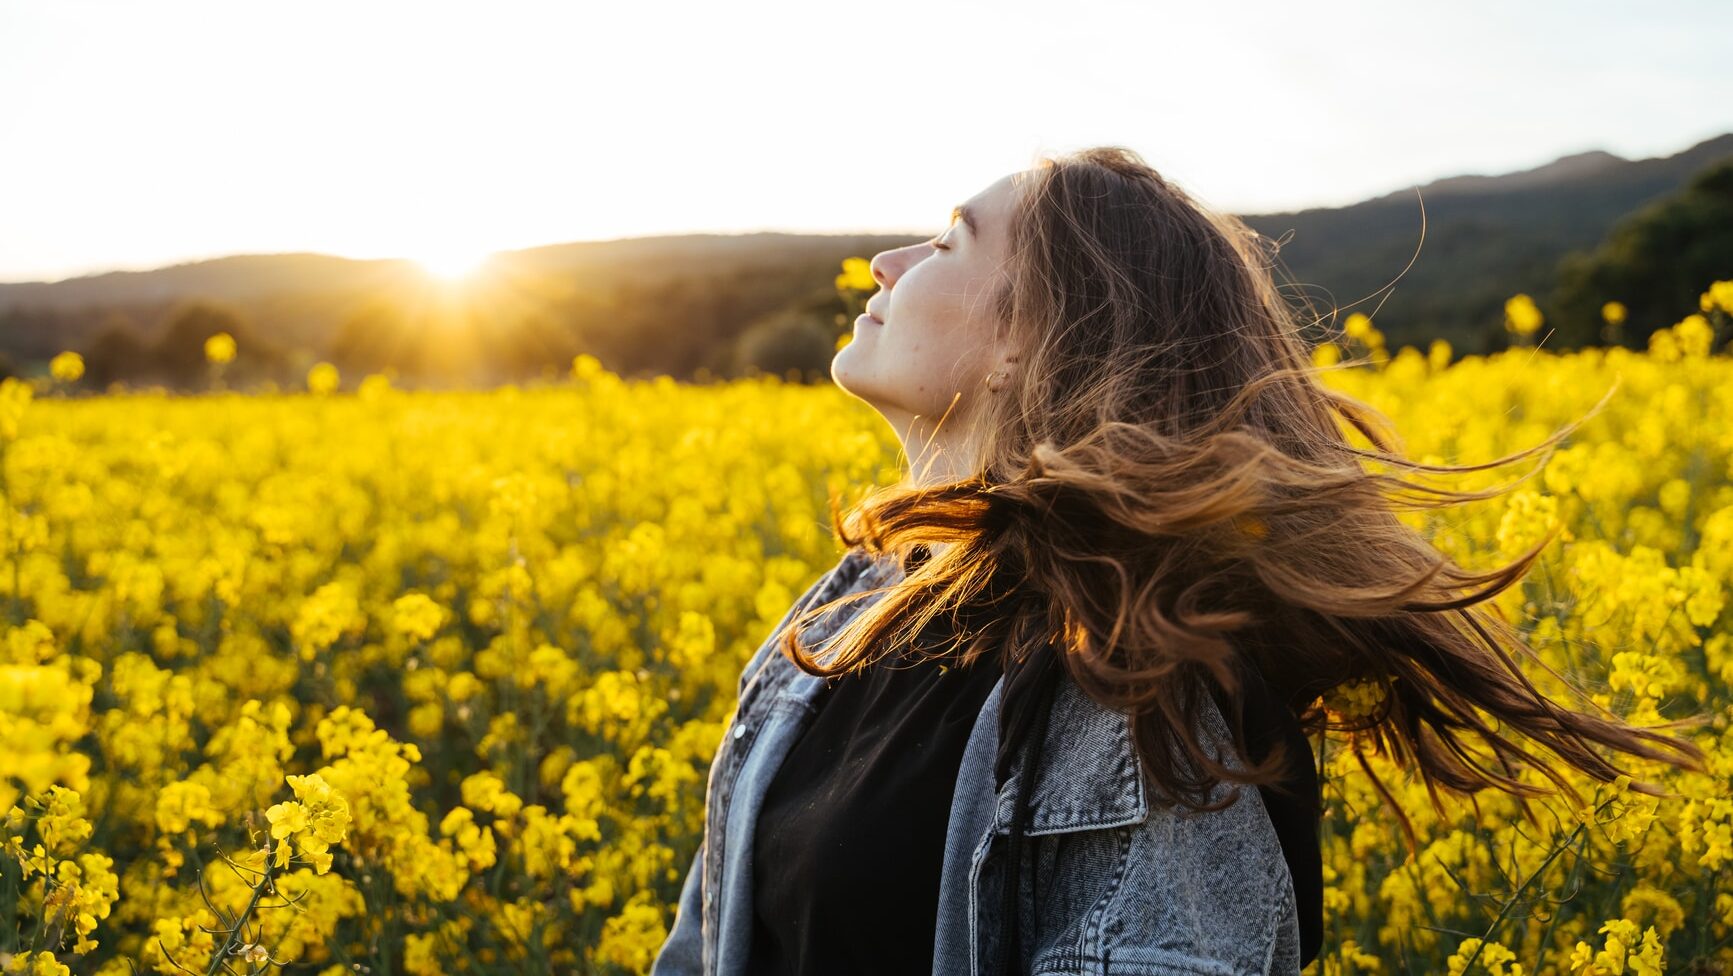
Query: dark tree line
point(1656, 262)
point(692, 326)
point(175, 356)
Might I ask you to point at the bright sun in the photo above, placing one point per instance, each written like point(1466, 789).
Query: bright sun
point(453, 264)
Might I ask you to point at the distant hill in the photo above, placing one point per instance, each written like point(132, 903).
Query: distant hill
point(1487, 237)
point(302, 298)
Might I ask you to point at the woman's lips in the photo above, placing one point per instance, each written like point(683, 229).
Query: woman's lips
point(867, 317)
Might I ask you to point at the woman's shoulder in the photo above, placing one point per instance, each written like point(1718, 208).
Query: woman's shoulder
point(1168, 888)
point(1218, 879)
point(1206, 887)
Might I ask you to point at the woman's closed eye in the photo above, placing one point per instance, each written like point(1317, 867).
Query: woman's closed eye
point(935, 242)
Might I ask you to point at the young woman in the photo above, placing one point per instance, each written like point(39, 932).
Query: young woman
point(1132, 549)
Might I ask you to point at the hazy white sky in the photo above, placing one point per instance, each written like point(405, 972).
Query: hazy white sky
point(137, 134)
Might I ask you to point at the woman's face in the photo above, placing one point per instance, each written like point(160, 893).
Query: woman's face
point(937, 334)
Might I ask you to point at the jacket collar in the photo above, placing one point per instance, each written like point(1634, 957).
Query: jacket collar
point(1087, 774)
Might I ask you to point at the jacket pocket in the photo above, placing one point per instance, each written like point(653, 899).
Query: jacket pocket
point(1068, 883)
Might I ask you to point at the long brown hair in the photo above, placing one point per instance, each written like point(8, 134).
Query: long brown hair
point(1164, 493)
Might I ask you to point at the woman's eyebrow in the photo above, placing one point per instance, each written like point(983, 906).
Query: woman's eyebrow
point(962, 210)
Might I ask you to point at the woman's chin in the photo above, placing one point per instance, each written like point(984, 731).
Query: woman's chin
point(849, 382)
point(844, 371)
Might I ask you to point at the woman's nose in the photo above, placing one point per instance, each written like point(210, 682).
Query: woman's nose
point(887, 266)
point(878, 268)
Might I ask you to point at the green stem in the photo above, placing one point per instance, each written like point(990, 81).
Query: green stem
point(1536, 873)
point(241, 921)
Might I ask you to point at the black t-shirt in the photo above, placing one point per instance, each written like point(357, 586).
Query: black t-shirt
point(850, 841)
point(1296, 817)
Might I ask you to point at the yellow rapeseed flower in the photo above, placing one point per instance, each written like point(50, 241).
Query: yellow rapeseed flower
point(553, 589)
point(1438, 354)
point(374, 387)
point(1719, 295)
point(322, 378)
point(586, 367)
point(1521, 315)
point(67, 367)
point(1490, 957)
point(1354, 700)
point(1623, 952)
point(1694, 335)
point(220, 348)
point(316, 819)
point(416, 616)
point(40, 963)
point(15, 395)
point(856, 275)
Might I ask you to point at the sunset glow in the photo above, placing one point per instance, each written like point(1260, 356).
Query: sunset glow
point(454, 263)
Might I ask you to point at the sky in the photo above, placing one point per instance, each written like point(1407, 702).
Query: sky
point(135, 135)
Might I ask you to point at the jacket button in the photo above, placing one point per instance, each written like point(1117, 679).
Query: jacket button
point(739, 730)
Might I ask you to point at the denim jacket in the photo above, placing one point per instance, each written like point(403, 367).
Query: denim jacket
point(1121, 886)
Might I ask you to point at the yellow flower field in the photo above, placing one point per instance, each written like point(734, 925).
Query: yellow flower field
point(429, 682)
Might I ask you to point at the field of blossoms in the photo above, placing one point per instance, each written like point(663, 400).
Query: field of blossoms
point(414, 682)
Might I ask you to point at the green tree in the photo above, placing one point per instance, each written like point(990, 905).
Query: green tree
point(118, 354)
point(790, 340)
point(178, 355)
point(1656, 261)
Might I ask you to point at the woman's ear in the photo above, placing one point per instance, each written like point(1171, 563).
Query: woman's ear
point(1001, 373)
